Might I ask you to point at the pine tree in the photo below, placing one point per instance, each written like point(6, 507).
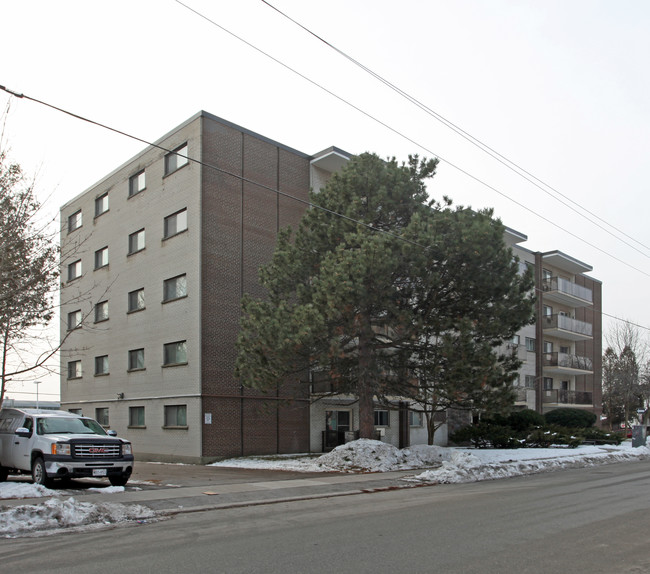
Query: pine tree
point(373, 300)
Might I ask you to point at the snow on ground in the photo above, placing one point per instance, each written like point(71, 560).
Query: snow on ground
point(443, 465)
point(55, 513)
point(435, 465)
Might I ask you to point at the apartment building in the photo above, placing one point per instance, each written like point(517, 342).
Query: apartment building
point(154, 260)
point(561, 358)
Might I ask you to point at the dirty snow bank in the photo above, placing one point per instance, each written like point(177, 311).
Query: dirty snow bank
point(444, 465)
point(55, 513)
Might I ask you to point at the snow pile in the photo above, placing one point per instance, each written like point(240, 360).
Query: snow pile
point(444, 465)
point(55, 513)
point(470, 466)
point(24, 490)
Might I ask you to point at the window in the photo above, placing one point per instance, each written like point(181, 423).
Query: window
point(74, 270)
point(546, 275)
point(75, 411)
point(101, 257)
point(101, 365)
point(136, 183)
point(530, 381)
point(515, 340)
point(101, 204)
point(74, 320)
point(74, 221)
point(136, 300)
point(136, 416)
point(101, 311)
point(381, 418)
point(175, 353)
point(530, 344)
point(175, 223)
point(415, 418)
point(548, 347)
point(136, 360)
point(136, 241)
point(175, 288)
point(176, 159)
point(548, 383)
point(101, 416)
point(547, 311)
point(74, 370)
point(176, 415)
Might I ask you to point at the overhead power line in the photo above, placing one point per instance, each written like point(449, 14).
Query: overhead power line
point(511, 165)
point(409, 139)
point(237, 176)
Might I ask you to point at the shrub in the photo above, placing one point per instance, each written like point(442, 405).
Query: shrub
point(572, 418)
point(525, 419)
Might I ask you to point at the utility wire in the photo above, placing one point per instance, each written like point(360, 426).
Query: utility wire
point(214, 167)
point(511, 165)
point(261, 185)
point(407, 138)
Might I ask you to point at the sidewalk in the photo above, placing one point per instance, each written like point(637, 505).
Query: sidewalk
point(172, 489)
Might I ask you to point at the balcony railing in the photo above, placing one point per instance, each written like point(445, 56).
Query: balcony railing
point(566, 323)
point(564, 397)
point(565, 287)
point(566, 361)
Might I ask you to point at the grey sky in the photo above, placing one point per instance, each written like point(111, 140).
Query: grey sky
point(560, 87)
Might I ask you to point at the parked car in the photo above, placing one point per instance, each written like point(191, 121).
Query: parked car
point(58, 444)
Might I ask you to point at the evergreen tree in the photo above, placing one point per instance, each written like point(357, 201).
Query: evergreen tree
point(396, 294)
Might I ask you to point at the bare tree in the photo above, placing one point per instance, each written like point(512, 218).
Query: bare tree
point(28, 272)
point(625, 373)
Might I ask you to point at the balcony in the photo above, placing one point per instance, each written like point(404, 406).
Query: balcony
point(564, 327)
point(564, 397)
point(565, 364)
point(566, 293)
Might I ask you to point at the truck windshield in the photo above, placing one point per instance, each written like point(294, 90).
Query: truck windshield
point(65, 425)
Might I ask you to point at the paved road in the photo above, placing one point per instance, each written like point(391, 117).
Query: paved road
point(585, 520)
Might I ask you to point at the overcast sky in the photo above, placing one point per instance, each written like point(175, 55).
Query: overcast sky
point(559, 87)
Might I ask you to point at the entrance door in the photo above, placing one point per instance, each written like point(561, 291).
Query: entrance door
point(337, 423)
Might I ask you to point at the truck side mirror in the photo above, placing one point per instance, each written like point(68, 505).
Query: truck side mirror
point(111, 433)
point(23, 432)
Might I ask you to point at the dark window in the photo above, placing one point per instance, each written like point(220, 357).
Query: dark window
point(136, 416)
point(101, 204)
point(136, 300)
point(74, 221)
point(175, 353)
point(74, 270)
point(176, 416)
point(136, 241)
point(175, 223)
point(175, 288)
point(101, 365)
point(74, 370)
point(74, 320)
point(101, 257)
point(136, 359)
point(101, 416)
point(381, 418)
point(136, 183)
point(176, 159)
point(101, 311)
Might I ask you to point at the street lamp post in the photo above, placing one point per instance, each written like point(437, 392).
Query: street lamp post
point(37, 383)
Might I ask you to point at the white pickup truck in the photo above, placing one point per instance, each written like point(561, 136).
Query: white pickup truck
point(59, 444)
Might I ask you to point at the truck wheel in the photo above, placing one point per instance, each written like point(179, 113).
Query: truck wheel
point(4, 473)
point(118, 480)
point(39, 476)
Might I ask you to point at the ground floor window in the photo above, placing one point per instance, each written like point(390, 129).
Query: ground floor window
point(381, 418)
point(136, 416)
point(415, 418)
point(101, 416)
point(176, 415)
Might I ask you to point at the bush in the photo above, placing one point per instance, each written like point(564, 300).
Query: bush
point(487, 435)
point(572, 418)
point(525, 419)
